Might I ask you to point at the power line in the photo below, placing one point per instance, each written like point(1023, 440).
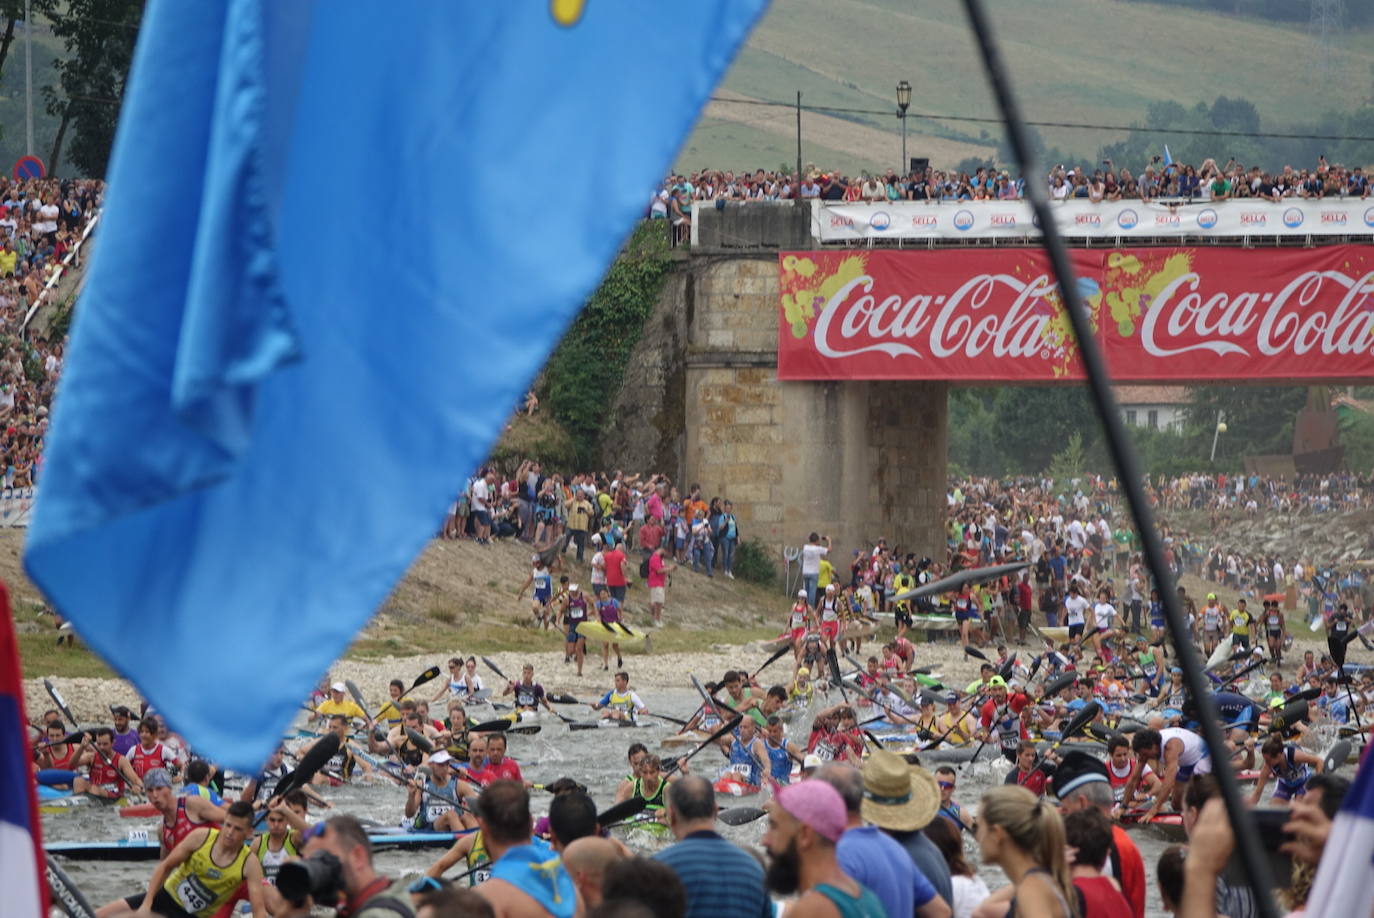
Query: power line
point(1216, 132)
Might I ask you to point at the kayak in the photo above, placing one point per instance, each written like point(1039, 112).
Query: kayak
point(734, 785)
point(609, 724)
point(66, 802)
point(141, 848)
point(1170, 825)
point(646, 826)
point(610, 634)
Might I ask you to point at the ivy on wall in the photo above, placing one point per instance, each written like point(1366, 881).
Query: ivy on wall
point(584, 373)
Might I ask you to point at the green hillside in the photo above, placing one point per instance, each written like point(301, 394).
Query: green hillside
point(1084, 61)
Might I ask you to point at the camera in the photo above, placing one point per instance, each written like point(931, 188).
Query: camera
point(319, 876)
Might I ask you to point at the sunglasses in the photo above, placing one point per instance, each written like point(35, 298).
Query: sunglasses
point(946, 785)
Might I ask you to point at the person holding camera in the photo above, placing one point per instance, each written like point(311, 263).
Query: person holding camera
point(337, 870)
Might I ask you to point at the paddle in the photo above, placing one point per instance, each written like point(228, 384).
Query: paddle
point(621, 811)
point(1244, 672)
point(358, 698)
point(426, 676)
point(562, 698)
point(420, 741)
point(709, 700)
point(69, 739)
point(777, 654)
point(494, 668)
point(977, 700)
point(682, 760)
point(314, 759)
point(525, 729)
point(995, 717)
point(741, 815)
point(1293, 712)
point(1336, 757)
point(61, 705)
point(1080, 720)
point(491, 726)
point(971, 651)
point(1059, 683)
point(1007, 668)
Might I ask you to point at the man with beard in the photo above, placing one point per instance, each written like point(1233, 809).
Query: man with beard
point(805, 820)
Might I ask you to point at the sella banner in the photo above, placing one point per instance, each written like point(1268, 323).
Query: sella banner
point(995, 315)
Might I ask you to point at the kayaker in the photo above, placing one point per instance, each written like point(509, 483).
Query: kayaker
point(498, 766)
point(203, 871)
point(621, 702)
point(425, 811)
point(125, 735)
point(1289, 766)
point(781, 752)
point(111, 774)
point(748, 758)
point(1177, 752)
point(527, 878)
point(528, 693)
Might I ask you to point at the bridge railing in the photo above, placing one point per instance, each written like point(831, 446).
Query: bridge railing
point(1245, 222)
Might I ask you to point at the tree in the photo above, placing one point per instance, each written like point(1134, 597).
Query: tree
point(99, 36)
point(1259, 419)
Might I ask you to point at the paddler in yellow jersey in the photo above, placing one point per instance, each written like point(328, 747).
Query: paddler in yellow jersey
point(336, 703)
point(801, 688)
point(205, 869)
point(621, 702)
point(472, 850)
point(958, 724)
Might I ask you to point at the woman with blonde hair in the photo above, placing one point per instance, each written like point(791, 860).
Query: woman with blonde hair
point(1024, 835)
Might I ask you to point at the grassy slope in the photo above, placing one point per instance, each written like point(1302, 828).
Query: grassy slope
point(1074, 60)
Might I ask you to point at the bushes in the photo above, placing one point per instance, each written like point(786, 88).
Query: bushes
point(755, 563)
point(584, 373)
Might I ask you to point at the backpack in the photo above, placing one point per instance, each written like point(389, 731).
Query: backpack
point(644, 567)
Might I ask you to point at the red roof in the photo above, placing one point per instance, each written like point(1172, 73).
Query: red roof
point(1151, 395)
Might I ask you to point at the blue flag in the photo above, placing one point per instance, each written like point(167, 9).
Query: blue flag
point(339, 241)
point(1168, 159)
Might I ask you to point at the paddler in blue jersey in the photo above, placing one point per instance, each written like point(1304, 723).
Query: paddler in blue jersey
point(527, 877)
point(426, 812)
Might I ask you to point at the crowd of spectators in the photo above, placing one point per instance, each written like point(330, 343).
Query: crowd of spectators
point(1156, 181)
point(41, 222)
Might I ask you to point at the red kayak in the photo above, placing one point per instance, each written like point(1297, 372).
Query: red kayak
point(138, 811)
point(734, 786)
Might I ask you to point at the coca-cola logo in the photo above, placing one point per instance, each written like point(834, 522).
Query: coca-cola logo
point(1127, 219)
point(973, 320)
point(1317, 312)
point(1293, 217)
point(963, 221)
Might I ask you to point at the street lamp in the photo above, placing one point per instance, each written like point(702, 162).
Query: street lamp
point(903, 100)
point(1216, 434)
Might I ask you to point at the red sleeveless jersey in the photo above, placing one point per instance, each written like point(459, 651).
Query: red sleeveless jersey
point(145, 761)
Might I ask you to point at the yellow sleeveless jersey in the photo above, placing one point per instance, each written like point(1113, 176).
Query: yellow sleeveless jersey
point(201, 886)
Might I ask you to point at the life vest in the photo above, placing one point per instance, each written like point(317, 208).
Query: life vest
point(621, 701)
point(199, 885)
point(577, 609)
point(478, 861)
point(106, 775)
point(525, 696)
point(798, 617)
point(145, 760)
point(742, 764)
point(653, 802)
point(431, 807)
point(64, 762)
point(829, 610)
point(182, 826)
point(779, 762)
point(272, 860)
point(1119, 779)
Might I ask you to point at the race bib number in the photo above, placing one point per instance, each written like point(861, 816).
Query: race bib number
point(739, 768)
point(480, 875)
point(435, 810)
point(137, 836)
point(825, 752)
point(193, 894)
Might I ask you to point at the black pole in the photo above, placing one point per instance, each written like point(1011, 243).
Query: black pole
point(905, 167)
point(1124, 458)
point(799, 168)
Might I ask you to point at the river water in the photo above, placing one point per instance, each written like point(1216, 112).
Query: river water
point(596, 758)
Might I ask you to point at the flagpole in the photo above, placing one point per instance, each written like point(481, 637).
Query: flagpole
point(1124, 458)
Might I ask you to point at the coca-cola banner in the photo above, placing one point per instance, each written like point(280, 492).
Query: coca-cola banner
point(995, 315)
point(837, 222)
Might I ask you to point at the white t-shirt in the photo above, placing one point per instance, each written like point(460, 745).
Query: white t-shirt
point(1105, 612)
point(1075, 608)
point(598, 568)
point(480, 494)
point(1077, 537)
point(47, 219)
point(811, 558)
point(969, 893)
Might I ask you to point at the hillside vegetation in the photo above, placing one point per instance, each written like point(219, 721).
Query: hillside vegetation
point(1083, 61)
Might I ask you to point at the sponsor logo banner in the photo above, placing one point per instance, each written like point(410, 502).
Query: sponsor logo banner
point(995, 315)
point(831, 222)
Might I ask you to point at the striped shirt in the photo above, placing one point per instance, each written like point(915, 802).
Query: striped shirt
point(722, 880)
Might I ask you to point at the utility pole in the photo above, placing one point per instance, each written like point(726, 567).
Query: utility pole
point(799, 172)
point(28, 77)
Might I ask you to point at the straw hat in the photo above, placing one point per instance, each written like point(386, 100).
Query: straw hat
point(897, 795)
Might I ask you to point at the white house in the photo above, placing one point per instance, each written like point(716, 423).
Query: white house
point(1155, 407)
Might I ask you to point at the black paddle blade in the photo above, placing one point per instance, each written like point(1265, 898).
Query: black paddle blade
point(1310, 694)
point(526, 729)
point(785, 648)
point(1084, 716)
point(1035, 667)
point(420, 741)
point(741, 815)
point(834, 662)
point(562, 698)
point(426, 676)
point(1292, 713)
point(1102, 733)
point(314, 759)
point(1008, 668)
point(971, 651)
point(494, 668)
point(491, 726)
point(379, 734)
point(356, 694)
point(622, 811)
point(61, 705)
point(1337, 756)
point(1059, 683)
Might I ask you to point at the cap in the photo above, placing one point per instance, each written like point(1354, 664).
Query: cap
point(119, 710)
point(1076, 769)
point(338, 687)
point(440, 758)
point(830, 587)
point(951, 698)
point(801, 594)
point(815, 804)
point(812, 761)
point(997, 681)
point(803, 671)
point(534, 557)
point(1211, 596)
point(573, 588)
point(596, 537)
point(157, 777)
